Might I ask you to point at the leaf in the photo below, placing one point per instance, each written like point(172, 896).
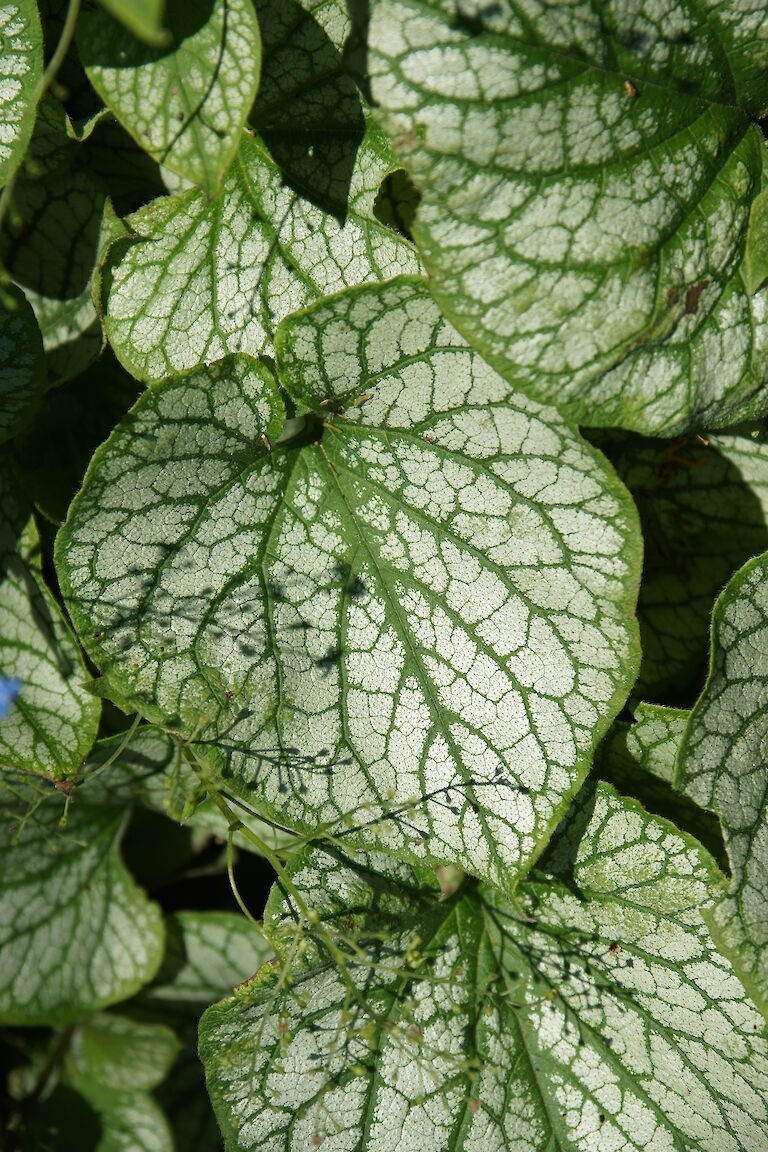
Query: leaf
point(721, 766)
point(586, 178)
point(295, 219)
point(56, 227)
point(142, 17)
point(703, 504)
point(756, 254)
point(76, 933)
point(206, 955)
point(412, 624)
point(113, 1062)
point(187, 102)
point(22, 366)
point(53, 720)
point(120, 1054)
point(608, 1021)
point(651, 743)
point(639, 759)
point(21, 70)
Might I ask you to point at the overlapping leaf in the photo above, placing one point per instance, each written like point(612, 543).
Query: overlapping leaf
point(703, 504)
point(207, 954)
point(414, 627)
point(722, 766)
point(114, 1063)
point(594, 1014)
point(76, 933)
point(53, 720)
point(21, 69)
point(185, 103)
point(586, 177)
point(295, 218)
point(639, 759)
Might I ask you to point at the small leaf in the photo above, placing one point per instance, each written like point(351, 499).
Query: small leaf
point(122, 1055)
point(142, 17)
point(206, 955)
point(650, 744)
point(586, 179)
point(21, 69)
point(76, 934)
point(639, 759)
point(52, 721)
point(185, 104)
point(595, 1013)
point(722, 766)
point(411, 624)
point(22, 365)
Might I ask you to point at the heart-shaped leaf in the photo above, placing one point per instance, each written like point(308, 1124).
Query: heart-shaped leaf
point(76, 933)
point(187, 102)
point(593, 1014)
point(586, 177)
point(412, 623)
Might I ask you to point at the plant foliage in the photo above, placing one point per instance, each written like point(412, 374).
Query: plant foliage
point(383, 400)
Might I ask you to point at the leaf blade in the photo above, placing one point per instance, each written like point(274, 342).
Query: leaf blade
point(185, 104)
point(559, 223)
point(481, 1028)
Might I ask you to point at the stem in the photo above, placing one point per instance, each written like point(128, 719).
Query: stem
point(57, 1054)
point(46, 80)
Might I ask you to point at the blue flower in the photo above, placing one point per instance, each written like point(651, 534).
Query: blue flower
point(9, 690)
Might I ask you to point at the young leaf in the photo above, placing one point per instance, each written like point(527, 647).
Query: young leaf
point(413, 627)
point(586, 177)
point(703, 504)
point(52, 721)
point(21, 69)
point(22, 364)
point(601, 1017)
point(187, 102)
point(76, 933)
point(722, 766)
